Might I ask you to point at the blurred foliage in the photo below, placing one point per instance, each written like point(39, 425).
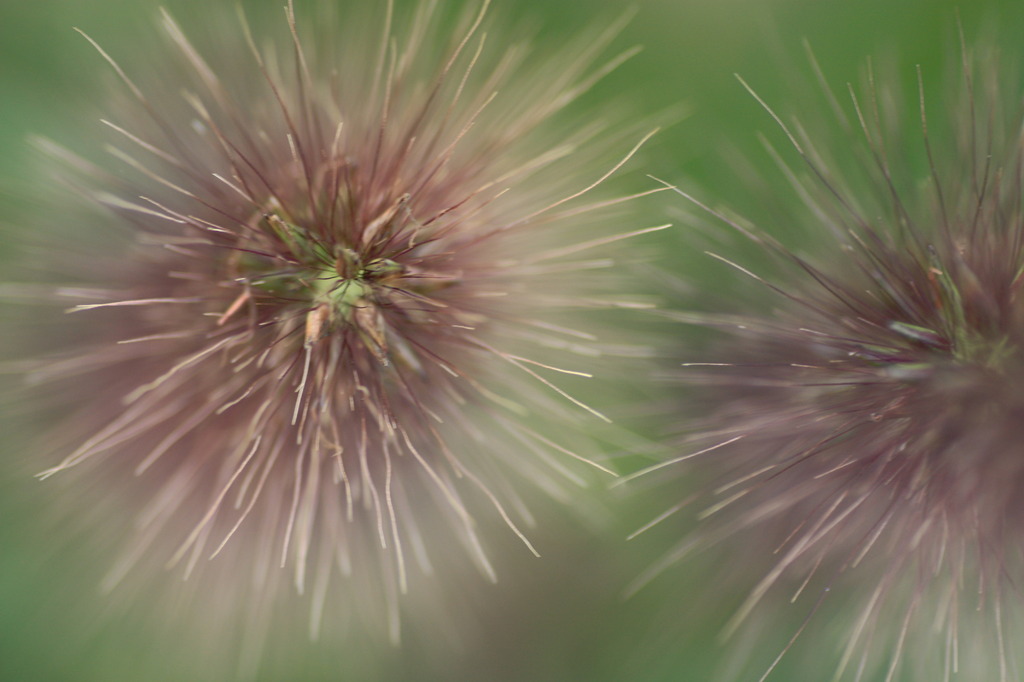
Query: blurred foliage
point(558, 618)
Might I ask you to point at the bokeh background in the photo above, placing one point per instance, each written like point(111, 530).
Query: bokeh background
point(561, 617)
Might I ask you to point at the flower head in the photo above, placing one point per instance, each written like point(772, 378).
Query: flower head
point(865, 432)
point(320, 317)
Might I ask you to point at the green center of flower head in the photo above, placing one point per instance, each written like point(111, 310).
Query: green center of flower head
point(350, 282)
point(337, 285)
point(971, 325)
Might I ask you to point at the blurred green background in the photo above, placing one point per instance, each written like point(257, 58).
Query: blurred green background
point(557, 618)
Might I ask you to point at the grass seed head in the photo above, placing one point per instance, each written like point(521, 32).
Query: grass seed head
point(864, 433)
point(319, 321)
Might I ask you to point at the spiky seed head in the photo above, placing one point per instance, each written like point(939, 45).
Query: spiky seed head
point(327, 302)
point(865, 433)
